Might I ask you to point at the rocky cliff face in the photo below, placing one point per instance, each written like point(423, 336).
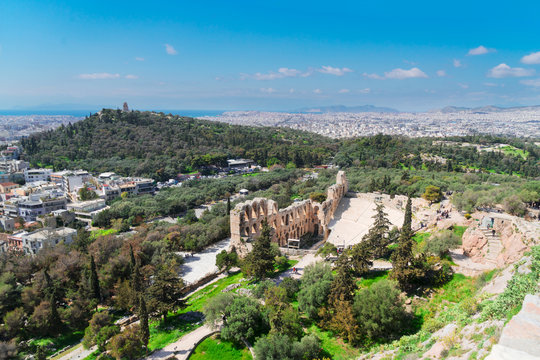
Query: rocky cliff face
point(504, 242)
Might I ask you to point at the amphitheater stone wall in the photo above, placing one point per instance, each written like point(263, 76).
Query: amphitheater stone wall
point(292, 222)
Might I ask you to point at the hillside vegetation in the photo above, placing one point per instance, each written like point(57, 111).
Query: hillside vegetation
point(161, 146)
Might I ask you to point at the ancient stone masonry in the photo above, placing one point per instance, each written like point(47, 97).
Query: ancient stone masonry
point(292, 222)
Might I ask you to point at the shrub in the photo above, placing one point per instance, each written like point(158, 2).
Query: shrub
point(439, 244)
point(514, 205)
point(291, 286)
point(509, 302)
point(314, 288)
point(261, 288)
point(379, 311)
point(318, 197)
point(281, 347)
point(127, 344)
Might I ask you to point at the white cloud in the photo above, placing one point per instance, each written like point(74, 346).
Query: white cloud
point(457, 63)
point(131, 76)
point(291, 90)
point(373, 76)
point(365, 91)
point(532, 82)
point(317, 91)
point(289, 72)
point(170, 49)
point(334, 71)
point(280, 74)
point(490, 84)
point(481, 50)
point(268, 90)
point(139, 58)
point(344, 91)
point(503, 70)
point(533, 58)
point(463, 86)
point(98, 76)
point(401, 74)
point(441, 73)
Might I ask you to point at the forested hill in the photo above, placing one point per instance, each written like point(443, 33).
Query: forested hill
point(160, 145)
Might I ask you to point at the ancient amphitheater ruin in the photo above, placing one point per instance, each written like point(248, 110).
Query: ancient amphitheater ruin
point(292, 222)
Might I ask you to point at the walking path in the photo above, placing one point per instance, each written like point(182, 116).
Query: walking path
point(200, 264)
point(183, 347)
point(78, 352)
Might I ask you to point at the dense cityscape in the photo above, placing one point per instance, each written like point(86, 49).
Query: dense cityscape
point(521, 123)
point(13, 127)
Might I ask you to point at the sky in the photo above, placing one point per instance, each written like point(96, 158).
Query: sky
point(268, 55)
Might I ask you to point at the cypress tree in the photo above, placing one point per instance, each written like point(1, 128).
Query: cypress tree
point(405, 269)
point(228, 205)
point(94, 280)
point(132, 257)
point(406, 229)
point(143, 317)
point(136, 281)
point(54, 319)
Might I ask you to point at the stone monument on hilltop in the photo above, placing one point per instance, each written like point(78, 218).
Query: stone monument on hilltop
point(126, 107)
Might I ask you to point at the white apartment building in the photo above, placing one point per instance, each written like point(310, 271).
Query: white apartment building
point(32, 175)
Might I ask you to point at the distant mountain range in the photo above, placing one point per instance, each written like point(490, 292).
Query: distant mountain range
point(348, 109)
point(488, 108)
point(446, 110)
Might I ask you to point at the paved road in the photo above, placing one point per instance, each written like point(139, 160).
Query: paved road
point(78, 353)
point(182, 348)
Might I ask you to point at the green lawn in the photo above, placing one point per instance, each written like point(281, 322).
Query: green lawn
point(514, 151)
point(59, 342)
point(176, 327)
point(371, 278)
point(102, 232)
point(421, 237)
point(459, 230)
point(333, 346)
point(215, 348)
point(164, 334)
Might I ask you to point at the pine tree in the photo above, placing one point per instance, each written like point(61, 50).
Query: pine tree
point(260, 261)
point(94, 280)
point(339, 317)
point(344, 284)
point(377, 239)
point(143, 317)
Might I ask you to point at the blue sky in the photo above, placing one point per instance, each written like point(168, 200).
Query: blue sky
point(271, 55)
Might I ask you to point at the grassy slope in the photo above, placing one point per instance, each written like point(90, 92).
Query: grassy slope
point(215, 348)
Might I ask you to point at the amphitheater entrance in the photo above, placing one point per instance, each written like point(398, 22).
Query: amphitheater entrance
point(293, 243)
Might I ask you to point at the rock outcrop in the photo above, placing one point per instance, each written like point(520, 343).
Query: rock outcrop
point(520, 338)
point(499, 239)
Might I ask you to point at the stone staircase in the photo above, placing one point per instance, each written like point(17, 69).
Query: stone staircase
point(494, 246)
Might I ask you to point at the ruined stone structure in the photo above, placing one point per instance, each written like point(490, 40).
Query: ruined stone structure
point(292, 222)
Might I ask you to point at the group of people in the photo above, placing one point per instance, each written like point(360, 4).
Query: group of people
point(443, 214)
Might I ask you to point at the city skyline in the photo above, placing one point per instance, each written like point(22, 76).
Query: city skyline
point(276, 57)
